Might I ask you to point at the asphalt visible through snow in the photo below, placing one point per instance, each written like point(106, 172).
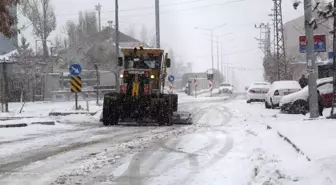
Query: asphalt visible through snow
point(90, 154)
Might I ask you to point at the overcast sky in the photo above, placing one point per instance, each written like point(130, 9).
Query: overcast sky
point(178, 21)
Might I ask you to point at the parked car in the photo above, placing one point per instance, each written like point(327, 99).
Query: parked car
point(297, 103)
point(225, 88)
point(257, 91)
point(278, 90)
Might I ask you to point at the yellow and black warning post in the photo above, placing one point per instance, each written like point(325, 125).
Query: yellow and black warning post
point(76, 87)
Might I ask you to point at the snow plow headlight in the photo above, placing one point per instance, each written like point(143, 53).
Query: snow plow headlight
point(121, 76)
point(152, 76)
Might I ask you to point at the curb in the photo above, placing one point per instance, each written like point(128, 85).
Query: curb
point(14, 125)
point(44, 123)
point(70, 113)
point(12, 118)
point(290, 142)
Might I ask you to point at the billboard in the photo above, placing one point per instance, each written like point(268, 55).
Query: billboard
point(320, 44)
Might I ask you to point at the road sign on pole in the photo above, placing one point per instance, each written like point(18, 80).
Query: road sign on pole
point(195, 84)
point(171, 87)
point(319, 43)
point(210, 84)
point(75, 69)
point(171, 78)
point(76, 87)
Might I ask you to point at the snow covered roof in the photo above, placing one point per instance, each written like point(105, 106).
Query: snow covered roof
point(8, 55)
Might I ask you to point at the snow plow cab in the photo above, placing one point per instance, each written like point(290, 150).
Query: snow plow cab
point(142, 98)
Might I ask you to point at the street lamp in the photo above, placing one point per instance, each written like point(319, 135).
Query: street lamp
point(211, 34)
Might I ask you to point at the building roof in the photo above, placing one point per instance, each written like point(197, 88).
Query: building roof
point(7, 55)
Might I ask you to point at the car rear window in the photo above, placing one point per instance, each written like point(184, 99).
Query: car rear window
point(286, 85)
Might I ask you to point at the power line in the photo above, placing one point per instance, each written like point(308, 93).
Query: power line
point(224, 54)
point(164, 12)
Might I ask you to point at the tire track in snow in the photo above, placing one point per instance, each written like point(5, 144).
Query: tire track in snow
point(218, 156)
point(134, 175)
point(41, 154)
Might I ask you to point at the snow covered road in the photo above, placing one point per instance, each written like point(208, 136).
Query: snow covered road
point(227, 144)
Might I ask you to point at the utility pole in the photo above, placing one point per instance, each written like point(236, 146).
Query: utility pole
point(279, 41)
point(311, 66)
point(4, 68)
point(117, 42)
point(334, 64)
point(212, 57)
point(97, 83)
point(44, 40)
point(222, 60)
point(98, 8)
point(157, 23)
point(218, 54)
point(264, 38)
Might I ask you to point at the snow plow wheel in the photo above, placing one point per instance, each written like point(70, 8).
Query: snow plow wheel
point(166, 112)
point(112, 119)
point(110, 109)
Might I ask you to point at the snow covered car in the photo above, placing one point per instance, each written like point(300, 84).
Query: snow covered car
point(297, 103)
point(257, 91)
point(278, 90)
point(225, 88)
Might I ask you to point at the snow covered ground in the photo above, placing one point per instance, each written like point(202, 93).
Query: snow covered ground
point(42, 109)
point(228, 143)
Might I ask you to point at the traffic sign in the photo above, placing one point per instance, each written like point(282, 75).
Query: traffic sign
point(171, 78)
point(210, 84)
point(75, 69)
point(331, 55)
point(195, 82)
point(171, 86)
point(320, 44)
point(76, 84)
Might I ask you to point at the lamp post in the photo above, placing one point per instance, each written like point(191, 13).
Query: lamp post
point(211, 34)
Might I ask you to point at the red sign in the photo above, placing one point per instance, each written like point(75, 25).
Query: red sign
point(210, 84)
point(171, 86)
point(195, 82)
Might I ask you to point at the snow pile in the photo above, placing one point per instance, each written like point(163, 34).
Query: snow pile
point(183, 98)
point(316, 138)
point(38, 109)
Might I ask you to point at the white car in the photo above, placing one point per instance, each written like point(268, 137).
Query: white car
point(257, 91)
point(278, 90)
point(297, 103)
point(225, 88)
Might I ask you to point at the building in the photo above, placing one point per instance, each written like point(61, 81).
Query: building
point(295, 28)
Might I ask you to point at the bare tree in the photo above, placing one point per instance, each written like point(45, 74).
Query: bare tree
point(25, 67)
point(71, 31)
point(144, 34)
point(7, 20)
point(131, 31)
point(42, 16)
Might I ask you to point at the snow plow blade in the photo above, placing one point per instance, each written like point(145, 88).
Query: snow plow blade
point(182, 118)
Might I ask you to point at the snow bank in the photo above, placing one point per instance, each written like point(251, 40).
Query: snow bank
point(35, 109)
point(316, 138)
point(183, 98)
